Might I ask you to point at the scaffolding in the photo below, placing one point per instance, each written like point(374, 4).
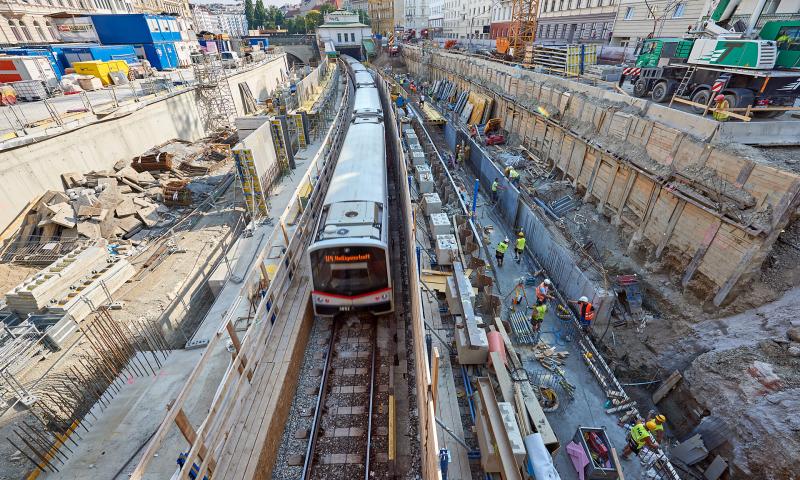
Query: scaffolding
point(523, 27)
point(214, 96)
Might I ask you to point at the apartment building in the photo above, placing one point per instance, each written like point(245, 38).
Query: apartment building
point(500, 23)
point(436, 18)
point(386, 15)
point(636, 19)
point(31, 21)
point(178, 7)
point(416, 14)
point(467, 19)
point(229, 19)
point(575, 21)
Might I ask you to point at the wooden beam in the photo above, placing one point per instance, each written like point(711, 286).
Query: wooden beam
point(602, 203)
point(666, 386)
point(596, 168)
point(744, 264)
point(711, 232)
point(632, 174)
point(237, 350)
point(673, 220)
point(494, 420)
point(183, 424)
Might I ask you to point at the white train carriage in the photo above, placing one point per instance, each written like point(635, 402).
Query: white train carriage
point(349, 256)
point(364, 79)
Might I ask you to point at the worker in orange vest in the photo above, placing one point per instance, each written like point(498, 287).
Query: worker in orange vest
point(543, 291)
point(585, 312)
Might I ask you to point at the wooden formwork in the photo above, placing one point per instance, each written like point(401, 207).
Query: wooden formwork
point(647, 190)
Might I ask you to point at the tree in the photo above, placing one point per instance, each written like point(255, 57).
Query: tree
point(296, 25)
point(249, 13)
point(313, 20)
point(275, 16)
point(363, 17)
point(326, 8)
point(260, 14)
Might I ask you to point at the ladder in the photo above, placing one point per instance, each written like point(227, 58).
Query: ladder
point(681, 90)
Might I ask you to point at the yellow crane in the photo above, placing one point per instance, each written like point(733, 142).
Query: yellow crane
point(522, 32)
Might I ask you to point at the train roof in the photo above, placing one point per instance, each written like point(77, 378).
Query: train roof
point(367, 102)
point(360, 173)
point(364, 79)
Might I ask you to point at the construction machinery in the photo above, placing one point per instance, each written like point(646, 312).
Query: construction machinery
point(522, 32)
point(753, 70)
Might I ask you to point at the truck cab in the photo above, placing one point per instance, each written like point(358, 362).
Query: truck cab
point(658, 52)
point(787, 37)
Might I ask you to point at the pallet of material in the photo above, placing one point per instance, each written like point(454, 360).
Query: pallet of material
point(176, 193)
point(153, 162)
point(93, 290)
point(432, 116)
point(35, 293)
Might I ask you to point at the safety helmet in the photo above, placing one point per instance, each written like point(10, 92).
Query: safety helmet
point(651, 425)
point(520, 234)
point(660, 418)
point(719, 98)
point(547, 281)
point(583, 299)
point(506, 240)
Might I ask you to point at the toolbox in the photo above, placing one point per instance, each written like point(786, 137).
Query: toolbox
point(597, 447)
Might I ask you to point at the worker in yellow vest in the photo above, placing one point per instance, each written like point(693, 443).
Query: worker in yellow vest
point(500, 252)
point(638, 438)
point(519, 247)
point(655, 425)
point(537, 317)
point(513, 176)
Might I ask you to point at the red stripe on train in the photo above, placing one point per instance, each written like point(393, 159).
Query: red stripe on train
point(345, 297)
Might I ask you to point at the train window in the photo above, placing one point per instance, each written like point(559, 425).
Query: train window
point(349, 270)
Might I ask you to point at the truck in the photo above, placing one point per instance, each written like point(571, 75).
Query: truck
point(756, 70)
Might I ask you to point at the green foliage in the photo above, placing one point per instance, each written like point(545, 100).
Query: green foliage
point(313, 20)
point(249, 13)
point(363, 17)
point(296, 24)
point(260, 15)
point(326, 8)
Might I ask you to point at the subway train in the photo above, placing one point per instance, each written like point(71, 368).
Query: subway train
point(349, 254)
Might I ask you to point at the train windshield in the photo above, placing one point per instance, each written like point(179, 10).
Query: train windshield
point(349, 271)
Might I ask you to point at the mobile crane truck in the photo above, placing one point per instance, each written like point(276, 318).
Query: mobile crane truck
point(757, 70)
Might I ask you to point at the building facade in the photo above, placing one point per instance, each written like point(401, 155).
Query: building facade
point(637, 19)
point(563, 22)
point(501, 19)
point(344, 31)
point(32, 21)
point(467, 19)
point(436, 18)
point(384, 16)
point(228, 19)
point(416, 14)
point(178, 7)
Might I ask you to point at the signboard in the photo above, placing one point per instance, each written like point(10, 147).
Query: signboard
point(361, 257)
point(75, 29)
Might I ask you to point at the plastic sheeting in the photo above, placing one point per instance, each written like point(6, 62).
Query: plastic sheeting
point(540, 463)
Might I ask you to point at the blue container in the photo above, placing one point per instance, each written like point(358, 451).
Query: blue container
point(258, 40)
point(161, 55)
point(55, 62)
point(136, 28)
point(83, 53)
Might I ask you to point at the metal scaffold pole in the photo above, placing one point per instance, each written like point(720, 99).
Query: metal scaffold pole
point(213, 92)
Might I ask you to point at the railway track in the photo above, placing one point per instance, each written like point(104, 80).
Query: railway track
point(347, 439)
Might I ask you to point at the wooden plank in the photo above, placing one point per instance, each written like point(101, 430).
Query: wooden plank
point(628, 185)
point(601, 204)
point(617, 465)
point(435, 377)
point(191, 436)
point(673, 220)
point(666, 386)
point(508, 463)
point(744, 264)
point(700, 252)
point(590, 184)
point(506, 386)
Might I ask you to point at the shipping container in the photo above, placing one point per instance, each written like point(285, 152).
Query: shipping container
point(136, 28)
point(86, 53)
point(55, 62)
point(261, 40)
point(162, 55)
point(18, 68)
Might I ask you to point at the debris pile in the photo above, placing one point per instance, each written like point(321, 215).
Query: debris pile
point(126, 202)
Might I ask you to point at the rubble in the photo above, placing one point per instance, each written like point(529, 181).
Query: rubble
point(116, 204)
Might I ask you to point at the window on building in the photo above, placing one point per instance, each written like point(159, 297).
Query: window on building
point(25, 32)
point(607, 29)
point(771, 6)
point(353, 37)
point(628, 13)
point(15, 30)
point(39, 30)
point(52, 30)
point(678, 12)
point(339, 37)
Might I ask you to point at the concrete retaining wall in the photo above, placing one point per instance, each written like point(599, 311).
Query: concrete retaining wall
point(29, 170)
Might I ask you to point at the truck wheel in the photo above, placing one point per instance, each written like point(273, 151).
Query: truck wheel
point(700, 96)
point(663, 91)
point(739, 97)
point(640, 88)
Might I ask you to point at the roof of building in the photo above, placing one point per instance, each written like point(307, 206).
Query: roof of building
point(340, 25)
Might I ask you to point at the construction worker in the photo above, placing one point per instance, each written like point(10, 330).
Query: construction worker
point(422, 101)
point(720, 109)
point(519, 248)
point(655, 425)
point(500, 252)
point(543, 291)
point(495, 190)
point(513, 176)
point(637, 438)
point(401, 103)
point(537, 317)
point(585, 312)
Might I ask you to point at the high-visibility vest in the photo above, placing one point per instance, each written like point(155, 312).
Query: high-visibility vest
point(502, 247)
point(494, 186)
point(587, 311)
point(541, 291)
point(521, 243)
point(639, 435)
point(539, 312)
point(513, 173)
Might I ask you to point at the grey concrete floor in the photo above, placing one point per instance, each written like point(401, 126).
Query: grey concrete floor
point(586, 409)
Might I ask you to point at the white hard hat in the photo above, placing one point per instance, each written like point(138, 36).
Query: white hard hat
point(547, 281)
point(506, 240)
point(583, 299)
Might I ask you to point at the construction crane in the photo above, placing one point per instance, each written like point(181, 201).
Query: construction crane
point(522, 32)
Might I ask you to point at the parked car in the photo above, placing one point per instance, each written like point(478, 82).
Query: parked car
point(230, 59)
